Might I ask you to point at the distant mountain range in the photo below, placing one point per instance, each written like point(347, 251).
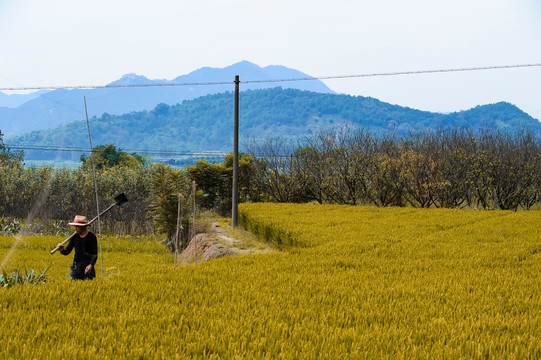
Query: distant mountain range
point(206, 123)
point(15, 100)
point(48, 109)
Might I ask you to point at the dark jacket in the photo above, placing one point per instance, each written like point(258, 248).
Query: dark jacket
point(86, 249)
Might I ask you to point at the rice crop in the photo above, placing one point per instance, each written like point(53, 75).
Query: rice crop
point(347, 283)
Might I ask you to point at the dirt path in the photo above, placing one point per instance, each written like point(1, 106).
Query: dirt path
point(222, 240)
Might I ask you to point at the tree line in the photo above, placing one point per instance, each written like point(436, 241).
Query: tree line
point(45, 199)
point(453, 169)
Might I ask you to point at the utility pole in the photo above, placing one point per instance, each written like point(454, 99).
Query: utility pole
point(235, 199)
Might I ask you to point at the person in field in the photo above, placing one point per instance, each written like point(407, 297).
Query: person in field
point(86, 250)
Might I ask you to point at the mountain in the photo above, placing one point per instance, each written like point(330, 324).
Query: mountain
point(15, 100)
point(206, 123)
point(53, 108)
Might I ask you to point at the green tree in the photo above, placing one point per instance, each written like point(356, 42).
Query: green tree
point(212, 179)
point(8, 157)
point(215, 181)
point(108, 156)
point(10, 169)
point(166, 185)
point(248, 190)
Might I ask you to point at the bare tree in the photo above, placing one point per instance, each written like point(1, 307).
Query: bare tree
point(276, 170)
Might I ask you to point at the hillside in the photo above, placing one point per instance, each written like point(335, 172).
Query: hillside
point(15, 100)
point(45, 110)
point(206, 123)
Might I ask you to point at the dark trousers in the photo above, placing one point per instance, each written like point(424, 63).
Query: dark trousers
point(78, 271)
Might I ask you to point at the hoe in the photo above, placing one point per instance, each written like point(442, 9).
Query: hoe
point(119, 200)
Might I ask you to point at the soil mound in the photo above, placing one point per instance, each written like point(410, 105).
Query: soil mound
point(201, 248)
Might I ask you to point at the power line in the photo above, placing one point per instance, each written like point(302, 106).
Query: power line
point(147, 152)
point(395, 73)
point(114, 86)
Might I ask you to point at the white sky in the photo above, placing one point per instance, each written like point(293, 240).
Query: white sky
point(94, 42)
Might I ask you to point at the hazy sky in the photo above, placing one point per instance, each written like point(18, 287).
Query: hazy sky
point(94, 42)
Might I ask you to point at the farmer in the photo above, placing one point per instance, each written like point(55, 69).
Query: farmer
point(86, 250)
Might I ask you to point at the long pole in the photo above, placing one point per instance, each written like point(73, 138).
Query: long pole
point(178, 228)
point(192, 231)
point(95, 187)
point(235, 199)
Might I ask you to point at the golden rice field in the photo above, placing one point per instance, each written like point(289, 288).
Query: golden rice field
point(348, 283)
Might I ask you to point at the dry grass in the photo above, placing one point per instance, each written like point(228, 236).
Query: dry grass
point(237, 239)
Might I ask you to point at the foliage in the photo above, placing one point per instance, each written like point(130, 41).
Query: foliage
point(212, 178)
point(8, 157)
point(215, 180)
point(490, 170)
point(108, 156)
point(57, 194)
point(22, 278)
point(8, 227)
point(53, 195)
point(169, 187)
point(360, 282)
point(205, 123)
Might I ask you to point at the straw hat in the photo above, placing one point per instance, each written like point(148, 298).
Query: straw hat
point(79, 220)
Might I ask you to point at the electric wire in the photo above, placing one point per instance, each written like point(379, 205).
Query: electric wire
point(145, 152)
point(159, 153)
point(262, 81)
point(397, 73)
